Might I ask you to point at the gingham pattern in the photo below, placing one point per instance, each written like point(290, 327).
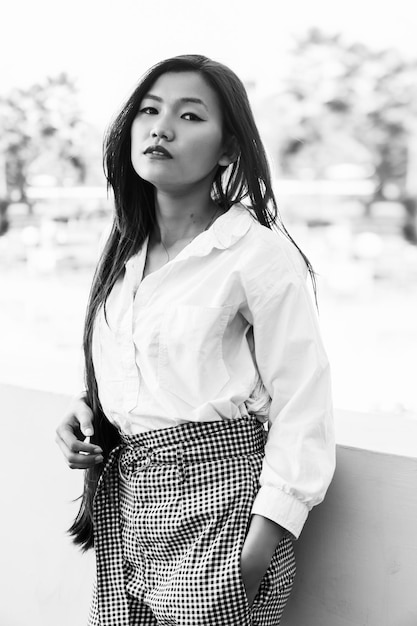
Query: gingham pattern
point(171, 515)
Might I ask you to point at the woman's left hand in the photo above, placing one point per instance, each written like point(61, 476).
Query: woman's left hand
point(260, 544)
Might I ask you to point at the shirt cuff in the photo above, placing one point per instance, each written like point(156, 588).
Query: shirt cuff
point(282, 508)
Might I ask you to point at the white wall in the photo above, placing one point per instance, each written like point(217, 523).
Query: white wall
point(357, 555)
point(44, 580)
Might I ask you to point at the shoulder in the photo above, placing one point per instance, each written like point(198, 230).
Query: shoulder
point(272, 250)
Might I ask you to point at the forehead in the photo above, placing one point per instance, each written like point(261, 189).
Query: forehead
point(174, 86)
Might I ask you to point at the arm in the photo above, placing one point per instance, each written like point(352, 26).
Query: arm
point(300, 453)
point(260, 544)
point(77, 425)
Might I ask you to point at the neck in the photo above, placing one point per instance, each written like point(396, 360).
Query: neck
point(182, 217)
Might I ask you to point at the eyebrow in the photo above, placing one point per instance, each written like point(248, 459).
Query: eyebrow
point(152, 96)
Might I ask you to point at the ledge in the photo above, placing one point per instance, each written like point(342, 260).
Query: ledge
point(356, 557)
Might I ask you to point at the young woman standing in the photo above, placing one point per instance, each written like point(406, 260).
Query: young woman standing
point(207, 386)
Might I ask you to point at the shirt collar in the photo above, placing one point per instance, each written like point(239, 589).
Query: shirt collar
point(226, 231)
point(231, 226)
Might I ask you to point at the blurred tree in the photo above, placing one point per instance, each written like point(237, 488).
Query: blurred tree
point(4, 222)
point(342, 103)
point(42, 132)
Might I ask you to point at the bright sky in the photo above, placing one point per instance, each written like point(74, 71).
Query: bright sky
point(106, 46)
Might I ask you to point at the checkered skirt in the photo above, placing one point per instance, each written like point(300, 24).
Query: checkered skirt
point(171, 514)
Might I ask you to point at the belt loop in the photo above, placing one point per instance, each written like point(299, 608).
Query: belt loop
point(180, 463)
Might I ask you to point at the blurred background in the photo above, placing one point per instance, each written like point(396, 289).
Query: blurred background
point(334, 95)
point(334, 92)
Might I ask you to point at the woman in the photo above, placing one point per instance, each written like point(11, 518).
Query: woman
point(201, 343)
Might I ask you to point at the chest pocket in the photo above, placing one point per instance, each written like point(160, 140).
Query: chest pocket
point(191, 363)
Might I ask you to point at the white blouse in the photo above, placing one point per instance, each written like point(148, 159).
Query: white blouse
point(226, 328)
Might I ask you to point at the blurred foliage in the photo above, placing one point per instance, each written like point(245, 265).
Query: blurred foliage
point(42, 133)
point(339, 104)
point(342, 103)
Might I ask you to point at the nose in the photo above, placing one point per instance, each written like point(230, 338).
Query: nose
point(162, 132)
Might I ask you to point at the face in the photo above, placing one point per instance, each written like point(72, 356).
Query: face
point(177, 139)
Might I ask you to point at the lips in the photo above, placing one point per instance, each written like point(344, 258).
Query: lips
point(158, 151)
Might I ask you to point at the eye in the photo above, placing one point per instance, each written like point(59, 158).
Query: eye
point(191, 117)
point(148, 110)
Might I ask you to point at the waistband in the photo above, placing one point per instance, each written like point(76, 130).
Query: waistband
point(193, 442)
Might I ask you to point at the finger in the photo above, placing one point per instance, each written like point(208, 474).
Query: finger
point(86, 447)
point(76, 460)
point(84, 415)
point(69, 443)
point(86, 441)
point(76, 463)
point(65, 432)
point(82, 462)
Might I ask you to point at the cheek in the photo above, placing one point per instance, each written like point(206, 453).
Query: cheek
point(206, 150)
point(139, 131)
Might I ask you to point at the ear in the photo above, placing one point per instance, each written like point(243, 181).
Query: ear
point(230, 152)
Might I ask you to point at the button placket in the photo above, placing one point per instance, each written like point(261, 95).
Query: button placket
point(131, 375)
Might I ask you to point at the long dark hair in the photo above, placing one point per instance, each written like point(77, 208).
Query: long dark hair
point(247, 179)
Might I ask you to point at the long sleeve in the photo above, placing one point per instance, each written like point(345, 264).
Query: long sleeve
point(300, 451)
